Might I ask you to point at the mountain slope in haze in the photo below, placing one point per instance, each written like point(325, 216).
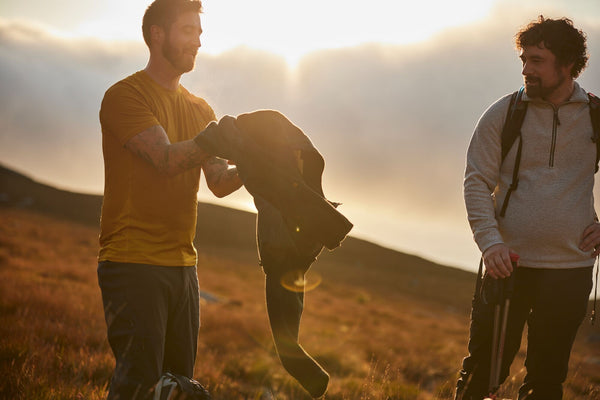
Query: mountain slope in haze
point(18, 190)
point(231, 232)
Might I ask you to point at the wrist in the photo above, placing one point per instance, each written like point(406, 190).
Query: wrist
point(201, 140)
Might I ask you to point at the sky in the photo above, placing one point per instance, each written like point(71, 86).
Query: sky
point(388, 93)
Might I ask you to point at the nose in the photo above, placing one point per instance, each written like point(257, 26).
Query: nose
point(525, 70)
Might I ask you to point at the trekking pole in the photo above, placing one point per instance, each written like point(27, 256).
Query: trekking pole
point(499, 333)
point(494, 373)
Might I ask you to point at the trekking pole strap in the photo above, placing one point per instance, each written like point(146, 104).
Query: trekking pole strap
point(479, 281)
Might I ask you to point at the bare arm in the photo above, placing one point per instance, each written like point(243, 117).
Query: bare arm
point(220, 178)
point(154, 146)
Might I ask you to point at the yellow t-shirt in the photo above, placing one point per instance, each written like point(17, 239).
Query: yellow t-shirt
point(148, 217)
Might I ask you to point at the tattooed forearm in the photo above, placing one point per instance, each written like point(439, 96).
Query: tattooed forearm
point(171, 158)
point(221, 179)
point(187, 156)
point(213, 170)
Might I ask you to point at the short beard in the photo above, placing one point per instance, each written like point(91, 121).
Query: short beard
point(534, 91)
point(539, 90)
point(176, 58)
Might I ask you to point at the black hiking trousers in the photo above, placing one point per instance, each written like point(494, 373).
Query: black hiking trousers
point(152, 317)
point(553, 302)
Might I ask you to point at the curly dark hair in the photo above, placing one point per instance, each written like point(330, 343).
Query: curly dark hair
point(559, 36)
point(164, 12)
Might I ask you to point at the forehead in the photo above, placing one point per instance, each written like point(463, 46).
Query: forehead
point(537, 51)
point(188, 18)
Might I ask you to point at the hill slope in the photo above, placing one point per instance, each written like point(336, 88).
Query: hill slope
point(386, 325)
point(220, 229)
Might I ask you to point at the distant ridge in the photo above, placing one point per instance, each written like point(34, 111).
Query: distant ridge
point(18, 190)
point(216, 224)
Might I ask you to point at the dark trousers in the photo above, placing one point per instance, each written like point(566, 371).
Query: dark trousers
point(285, 307)
point(553, 302)
point(152, 318)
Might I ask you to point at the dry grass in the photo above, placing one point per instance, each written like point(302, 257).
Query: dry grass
point(376, 339)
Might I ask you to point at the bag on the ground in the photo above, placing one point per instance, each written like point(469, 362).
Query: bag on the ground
point(177, 387)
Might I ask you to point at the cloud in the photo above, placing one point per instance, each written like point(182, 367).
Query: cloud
point(49, 102)
point(393, 122)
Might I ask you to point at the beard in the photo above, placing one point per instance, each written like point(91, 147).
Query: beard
point(534, 87)
point(182, 60)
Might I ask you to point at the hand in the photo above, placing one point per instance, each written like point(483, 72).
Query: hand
point(591, 239)
point(497, 261)
point(228, 127)
point(227, 120)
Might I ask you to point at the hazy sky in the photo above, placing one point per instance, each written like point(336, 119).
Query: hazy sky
point(388, 93)
point(288, 28)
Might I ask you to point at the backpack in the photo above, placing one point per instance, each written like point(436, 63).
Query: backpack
point(178, 387)
point(512, 130)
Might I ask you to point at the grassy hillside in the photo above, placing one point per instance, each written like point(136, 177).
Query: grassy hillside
point(386, 325)
point(226, 231)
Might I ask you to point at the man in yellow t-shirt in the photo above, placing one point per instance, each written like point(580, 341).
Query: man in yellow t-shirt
point(147, 260)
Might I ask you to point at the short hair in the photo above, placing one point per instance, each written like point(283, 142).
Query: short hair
point(566, 42)
point(164, 12)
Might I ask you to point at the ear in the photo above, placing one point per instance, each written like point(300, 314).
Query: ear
point(566, 68)
point(570, 69)
point(157, 34)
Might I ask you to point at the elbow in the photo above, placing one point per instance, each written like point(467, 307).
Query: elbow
point(219, 193)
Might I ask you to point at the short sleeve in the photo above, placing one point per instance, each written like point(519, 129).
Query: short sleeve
point(124, 113)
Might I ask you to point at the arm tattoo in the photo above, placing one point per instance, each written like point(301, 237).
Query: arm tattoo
point(150, 145)
point(220, 178)
point(214, 169)
point(153, 146)
point(191, 159)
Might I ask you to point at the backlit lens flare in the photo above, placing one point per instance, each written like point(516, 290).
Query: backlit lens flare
point(297, 281)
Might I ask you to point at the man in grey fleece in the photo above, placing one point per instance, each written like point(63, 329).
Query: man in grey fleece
point(550, 220)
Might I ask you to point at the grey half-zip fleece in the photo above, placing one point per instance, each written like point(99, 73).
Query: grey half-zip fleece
point(554, 202)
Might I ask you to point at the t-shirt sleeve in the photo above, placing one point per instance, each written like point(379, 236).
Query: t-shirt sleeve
point(124, 113)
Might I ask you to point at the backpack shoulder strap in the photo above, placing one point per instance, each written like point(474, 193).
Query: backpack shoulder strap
point(595, 117)
point(510, 132)
point(514, 120)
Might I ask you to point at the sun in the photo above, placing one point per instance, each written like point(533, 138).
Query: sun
point(292, 29)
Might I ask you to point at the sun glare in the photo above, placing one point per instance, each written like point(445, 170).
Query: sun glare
point(292, 29)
